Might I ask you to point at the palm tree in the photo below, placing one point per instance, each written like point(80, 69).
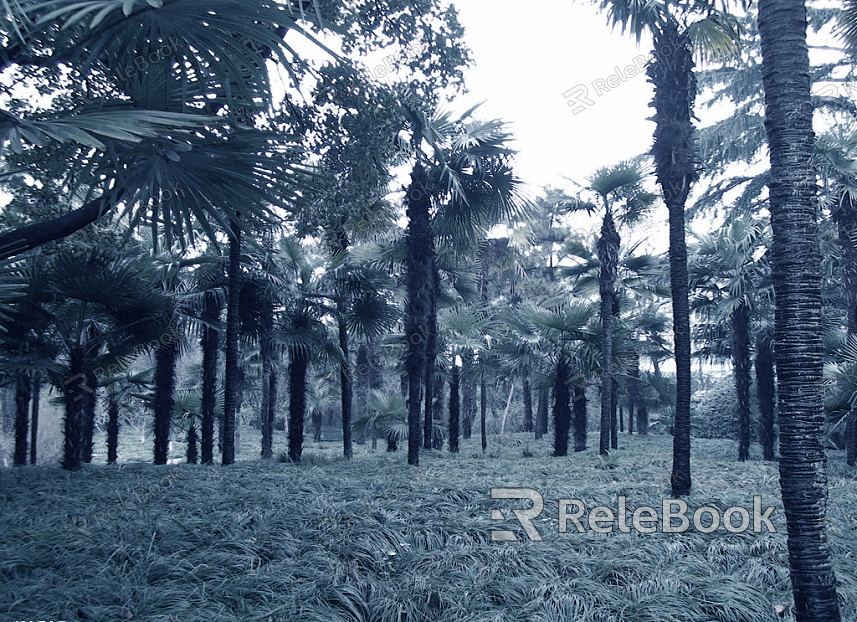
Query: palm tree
point(677, 31)
point(387, 417)
point(302, 333)
point(463, 331)
point(620, 191)
point(795, 268)
point(728, 270)
point(121, 388)
point(469, 179)
point(104, 312)
point(565, 333)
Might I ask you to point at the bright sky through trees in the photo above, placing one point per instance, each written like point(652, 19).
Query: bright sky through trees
point(526, 61)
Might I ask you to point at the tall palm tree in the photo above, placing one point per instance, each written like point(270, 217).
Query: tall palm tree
point(619, 189)
point(466, 175)
point(677, 31)
point(795, 268)
point(302, 333)
point(728, 269)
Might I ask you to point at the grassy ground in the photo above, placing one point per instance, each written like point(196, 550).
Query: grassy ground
point(374, 540)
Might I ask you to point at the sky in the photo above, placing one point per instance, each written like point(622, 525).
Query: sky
point(531, 64)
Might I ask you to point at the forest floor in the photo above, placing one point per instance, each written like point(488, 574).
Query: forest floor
point(374, 540)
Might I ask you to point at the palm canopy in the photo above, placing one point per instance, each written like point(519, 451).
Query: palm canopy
point(469, 171)
point(621, 191)
point(183, 82)
point(727, 268)
point(640, 273)
point(714, 33)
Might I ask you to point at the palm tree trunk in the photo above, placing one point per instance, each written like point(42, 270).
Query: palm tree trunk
point(483, 407)
point(579, 400)
point(764, 366)
point(741, 366)
point(34, 424)
point(32, 236)
point(561, 407)
point(528, 400)
point(675, 156)
point(431, 358)
point(22, 419)
point(345, 381)
point(468, 396)
point(454, 409)
point(297, 403)
point(191, 442)
point(272, 399)
point(542, 413)
point(642, 420)
point(419, 282)
point(230, 382)
point(89, 403)
point(266, 426)
point(73, 393)
point(608, 258)
point(210, 344)
point(796, 275)
point(614, 419)
point(112, 429)
point(165, 380)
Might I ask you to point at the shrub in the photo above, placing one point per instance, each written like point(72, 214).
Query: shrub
point(714, 411)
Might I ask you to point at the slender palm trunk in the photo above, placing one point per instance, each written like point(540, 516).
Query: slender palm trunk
point(89, 402)
point(579, 400)
point(266, 426)
point(231, 374)
point(561, 406)
point(420, 256)
point(675, 156)
point(454, 409)
point(796, 275)
point(361, 387)
point(608, 258)
point(192, 455)
point(542, 413)
point(74, 391)
point(22, 419)
point(483, 407)
point(34, 424)
point(528, 400)
point(345, 381)
point(297, 403)
point(165, 380)
point(112, 429)
point(614, 419)
point(741, 367)
point(431, 358)
point(210, 344)
point(468, 397)
point(764, 366)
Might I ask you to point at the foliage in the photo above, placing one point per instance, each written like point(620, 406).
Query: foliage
point(318, 542)
point(715, 411)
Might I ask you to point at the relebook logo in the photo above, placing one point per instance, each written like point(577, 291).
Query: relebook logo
point(673, 517)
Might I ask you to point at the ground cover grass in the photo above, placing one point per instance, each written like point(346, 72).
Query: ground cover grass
point(375, 540)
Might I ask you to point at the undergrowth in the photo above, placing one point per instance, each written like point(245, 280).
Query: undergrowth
point(374, 540)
